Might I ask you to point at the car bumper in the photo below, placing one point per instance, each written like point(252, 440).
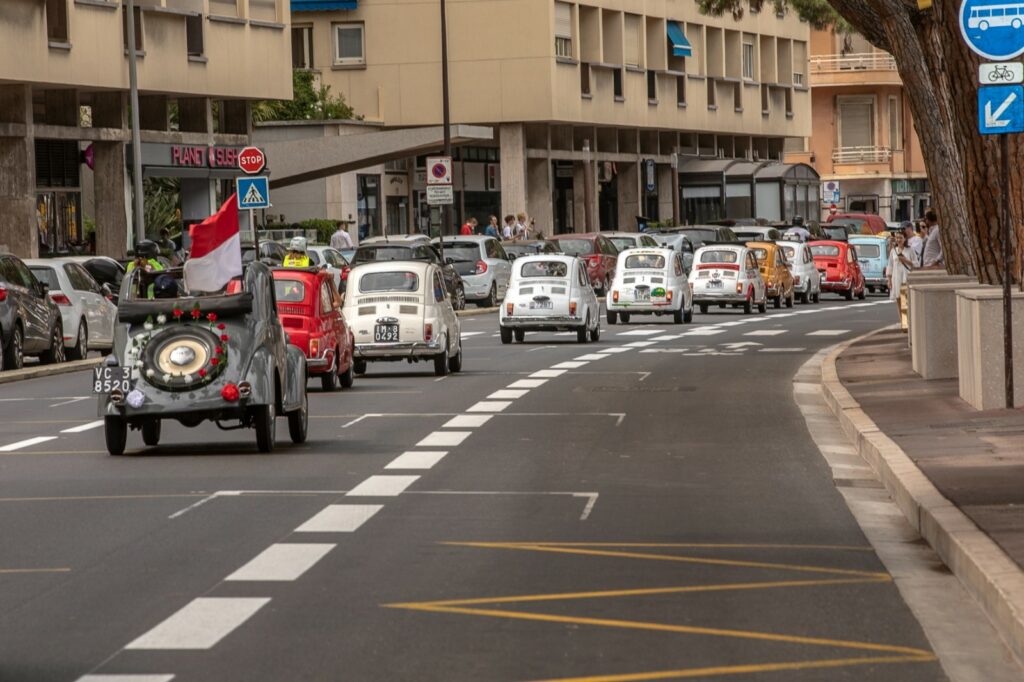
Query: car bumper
point(836, 286)
point(724, 295)
point(382, 351)
point(642, 307)
point(876, 281)
point(477, 286)
point(542, 322)
point(320, 365)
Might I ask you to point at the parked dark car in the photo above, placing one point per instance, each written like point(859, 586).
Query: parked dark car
point(105, 270)
point(221, 358)
point(272, 252)
point(529, 247)
point(418, 250)
point(30, 322)
point(597, 251)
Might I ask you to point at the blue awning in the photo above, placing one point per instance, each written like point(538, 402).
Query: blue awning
point(322, 5)
point(680, 45)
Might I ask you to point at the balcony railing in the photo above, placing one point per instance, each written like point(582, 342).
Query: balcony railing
point(861, 155)
point(868, 61)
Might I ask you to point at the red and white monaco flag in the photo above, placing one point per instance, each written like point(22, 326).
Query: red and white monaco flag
point(216, 255)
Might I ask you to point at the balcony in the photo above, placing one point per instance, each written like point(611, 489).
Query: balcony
point(868, 68)
point(867, 161)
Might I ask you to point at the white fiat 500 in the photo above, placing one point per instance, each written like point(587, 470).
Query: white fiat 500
point(400, 310)
point(650, 281)
point(727, 274)
point(549, 293)
point(806, 278)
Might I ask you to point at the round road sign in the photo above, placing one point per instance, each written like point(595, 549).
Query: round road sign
point(994, 31)
point(251, 160)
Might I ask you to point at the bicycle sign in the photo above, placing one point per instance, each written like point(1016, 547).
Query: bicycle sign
point(1004, 73)
point(994, 29)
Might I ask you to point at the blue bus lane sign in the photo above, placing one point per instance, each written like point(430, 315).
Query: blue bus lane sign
point(994, 29)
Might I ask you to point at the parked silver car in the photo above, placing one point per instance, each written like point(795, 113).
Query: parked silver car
point(482, 263)
point(333, 261)
point(85, 310)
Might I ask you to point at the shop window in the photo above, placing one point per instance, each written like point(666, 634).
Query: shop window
point(617, 83)
point(348, 44)
point(563, 29)
point(652, 86)
point(57, 20)
point(138, 29)
point(368, 205)
point(302, 47)
point(194, 35)
point(681, 90)
point(585, 79)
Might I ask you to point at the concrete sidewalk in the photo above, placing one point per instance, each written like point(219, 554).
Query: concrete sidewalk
point(957, 473)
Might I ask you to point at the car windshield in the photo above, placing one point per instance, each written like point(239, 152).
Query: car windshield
point(372, 254)
point(576, 247)
point(790, 252)
point(868, 250)
point(647, 261)
point(719, 256)
point(544, 268)
point(397, 280)
point(289, 291)
point(522, 249)
point(47, 276)
point(826, 250)
point(623, 243)
point(462, 251)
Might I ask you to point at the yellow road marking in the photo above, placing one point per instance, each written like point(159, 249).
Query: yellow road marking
point(745, 669)
point(565, 596)
point(559, 549)
point(691, 545)
point(9, 571)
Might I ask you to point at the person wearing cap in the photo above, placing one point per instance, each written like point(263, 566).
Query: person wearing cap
point(146, 253)
point(297, 257)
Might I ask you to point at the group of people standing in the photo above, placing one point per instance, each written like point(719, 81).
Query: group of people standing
point(514, 227)
point(917, 248)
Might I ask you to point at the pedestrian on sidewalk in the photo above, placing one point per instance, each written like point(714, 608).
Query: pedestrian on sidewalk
point(901, 262)
point(469, 227)
point(341, 239)
point(506, 231)
point(519, 229)
point(932, 258)
point(492, 229)
point(915, 241)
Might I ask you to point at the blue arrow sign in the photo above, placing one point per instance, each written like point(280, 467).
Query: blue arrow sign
point(1001, 109)
point(993, 28)
point(253, 192)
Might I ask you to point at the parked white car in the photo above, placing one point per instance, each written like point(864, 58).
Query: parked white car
point(629, 240)
point(332, 260)
point(87, 315)
point(724, 274)
point(482, 263)
point(678, 242)
point(806, 278)
point(548, 293)
point(650, 281)
point(400, 310)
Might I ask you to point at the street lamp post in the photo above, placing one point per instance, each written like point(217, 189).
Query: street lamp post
point(133, 85)
point(446, 121)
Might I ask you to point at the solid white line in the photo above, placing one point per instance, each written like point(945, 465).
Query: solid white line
point(466, 335)
point(823, 332)
point(444, 438)
point(508, 394)
point(126, 678)
point(780, 350)
point(201, 623)
point(84, 427)
point(466, 421)
point(616, 349)
point(765, 332)
point(27, 443)
point(547, 374)
point(640, 332)
point(640, 344)
point(68, 402)
point(490, 405)
point(339, 518)
point(568, 365)
point(355, 421)
point(417, 459)
point(528, 383)
point(590, 356)
point(282, 562)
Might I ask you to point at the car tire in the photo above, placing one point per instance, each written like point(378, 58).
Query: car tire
point(492, 298)
point(805, 298)
point(777, 302)
point(862, 295)
point(789, 299)
point(460, 298)
point(612, 316)
point(359, 367)
point(817, 296)
point(349, 377)
point(606, 285)
point(455, 361)
point(703, 307)
point(583, 332)
point(81, 347)
point(151, 432)
point(441, 362)
point(871, 290)
point(848, 294)
point(595, 333)
point(688, 315)
point(762, 307)
point(625, 318)
point(748, 305)
point(265, 421)
point(54, 355)
point(14, 356)
point(506, 335)
point(298, 421)
point(677, 316)
point(115, 433)
point(520, 335)
point(329, 380)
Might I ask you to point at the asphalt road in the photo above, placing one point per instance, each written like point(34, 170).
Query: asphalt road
point(652, 509)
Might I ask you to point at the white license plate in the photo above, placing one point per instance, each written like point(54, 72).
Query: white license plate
point(641, 294)
point(541, 305)
point(106, 379)
point(715, 284)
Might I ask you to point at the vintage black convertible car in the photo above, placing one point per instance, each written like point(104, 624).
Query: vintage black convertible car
point(221, 358)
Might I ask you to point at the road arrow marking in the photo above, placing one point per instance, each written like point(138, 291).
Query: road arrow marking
point(992, 119)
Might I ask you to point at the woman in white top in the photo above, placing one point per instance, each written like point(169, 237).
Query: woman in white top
point(900, 264)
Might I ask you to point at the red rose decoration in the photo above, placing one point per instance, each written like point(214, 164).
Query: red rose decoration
point(196, 314)
point(212, 317)
point(225, 338)
point(220, 350)
point(201, 373)
point(221, 326)
point(214, 361)
point(178, 312)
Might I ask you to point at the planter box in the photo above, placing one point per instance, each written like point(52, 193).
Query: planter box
point(979, 322)
point(927, 277)
point(932, 329)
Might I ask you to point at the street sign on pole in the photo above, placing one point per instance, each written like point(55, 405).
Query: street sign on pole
point(1001, 109)
point(1001, 73)
point(439, 170)
point(830, 192)
point(253, 192)
point(990, 30)
point(252, 160)
point(440, 195)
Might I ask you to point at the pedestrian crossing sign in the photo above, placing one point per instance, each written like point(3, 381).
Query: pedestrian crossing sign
point(253, 192)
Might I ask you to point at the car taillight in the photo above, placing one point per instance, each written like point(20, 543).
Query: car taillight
point(3, 293)
point(314, 348)
point(481, 267)
point(669, 294)
point(509, 307)
point(615, 296)
point(796, 281)
point(60, 299)
point(428, 331)
point(572, 308)
point(739, 287)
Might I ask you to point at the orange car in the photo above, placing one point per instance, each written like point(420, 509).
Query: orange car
point(778, 279)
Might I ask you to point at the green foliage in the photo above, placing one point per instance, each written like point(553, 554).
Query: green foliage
point(324, 229)
point(818, 13)
point(309, 103)
point(160, 208)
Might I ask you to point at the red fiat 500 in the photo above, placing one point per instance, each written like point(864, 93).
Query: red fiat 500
point(310, 311)
point(840, 271)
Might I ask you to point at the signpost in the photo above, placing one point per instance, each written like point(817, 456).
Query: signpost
point(439, 189)
point(995, 34)
point(252, 192)
point(830, 192)
point(252, 160)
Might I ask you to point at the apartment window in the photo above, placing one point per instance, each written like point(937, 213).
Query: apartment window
point(585, 79)
point(302, 47)
point(617, 83)
point(748, 61)
point(766, 100)
point(263, 10)
point(712, 94)
point(224, 8)
point(789, 102)
point(895, 119)
point(652, 86)
point(194, 35)
point(737, 97)
point(563, 29)
point(798, 78)
point(348, 44)
point(57, 20)
point(632, 25)
point(754, 7)
point(138, 29)
point(856, 125)
point(681, 90)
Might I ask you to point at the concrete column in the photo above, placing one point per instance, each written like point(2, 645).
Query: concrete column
point(628, 182)
point(663, 173)
point(579, 195)
point(18, 177)
point(512, 138)
point(540, 205)
point(109, 183)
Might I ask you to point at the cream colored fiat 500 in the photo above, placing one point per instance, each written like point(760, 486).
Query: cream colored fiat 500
point(400, 310)
point(550, 293)
point(650, 281)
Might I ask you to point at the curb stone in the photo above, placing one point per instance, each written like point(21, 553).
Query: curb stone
point(988, 574)
point(13, 375)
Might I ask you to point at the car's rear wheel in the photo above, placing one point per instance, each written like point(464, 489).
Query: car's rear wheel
point(804, 298)
point(605, 286)
point(298, 421)
point(348, 377)
point(777, 301)
point(583, 332)
point(677, 316)
point(492, 297)
point(863, 294)
point(703, 307)
point(81, 347)
point(55, 353)
point(612, 316)
point(595, 333)
point(688, 315)
point(264, 419)
point(151, 432)
point(115, 432)
point(817, 296)
point(625, 318)
point(748, 305)
point(14, 357)
point(359, 366)
point(871, 290)
point(762, 307)
point(329, 380)
point(506, 335)
point(441, 362)
point(848, 294)
point(455, 361)
point(460, 298)
point(520, 335)
point(789, 299)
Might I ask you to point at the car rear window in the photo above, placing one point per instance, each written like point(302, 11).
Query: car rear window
point(702, 235)
point(289, 291)
point(397, 280)
point(825, 250)
point(647, 261)
point(462, 251)
point(789, 251)
point(576, 247)
point(47, 276)
point(544, 268)
point(719, 256)
point(623, 243)
point(760, 254)
point(373, 254)
point(868, 250)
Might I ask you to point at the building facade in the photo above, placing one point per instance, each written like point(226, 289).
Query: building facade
point(862, 134)
point(624, 92)
point(64, 129)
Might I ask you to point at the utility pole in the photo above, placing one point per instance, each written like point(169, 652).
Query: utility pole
point(138, 219)
point(446, 209)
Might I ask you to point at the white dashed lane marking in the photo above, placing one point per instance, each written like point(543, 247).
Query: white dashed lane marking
point(282, 562)
point(27, 443)
point(704, 332)
point(640, 332)
point(568, 365)
point(508, 394)
point(466, 421)
point(126, 678)
point(765, 332)
point(640, 344)
point(444, 439)
point(201, 623)
point(489, 406)
point(590, 356)
point(84, 427)
point(829, 332)
point(417, 459)
point(617, 349)
point(385, 486)
point(547, 374)
point(340, 518)
point(528, 383)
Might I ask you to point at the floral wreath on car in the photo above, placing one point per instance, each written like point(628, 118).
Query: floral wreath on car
point(210, 370)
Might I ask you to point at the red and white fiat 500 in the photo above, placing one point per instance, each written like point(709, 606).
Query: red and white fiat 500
point(727, 274)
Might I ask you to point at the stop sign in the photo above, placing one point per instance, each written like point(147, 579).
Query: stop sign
point(252, 160)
